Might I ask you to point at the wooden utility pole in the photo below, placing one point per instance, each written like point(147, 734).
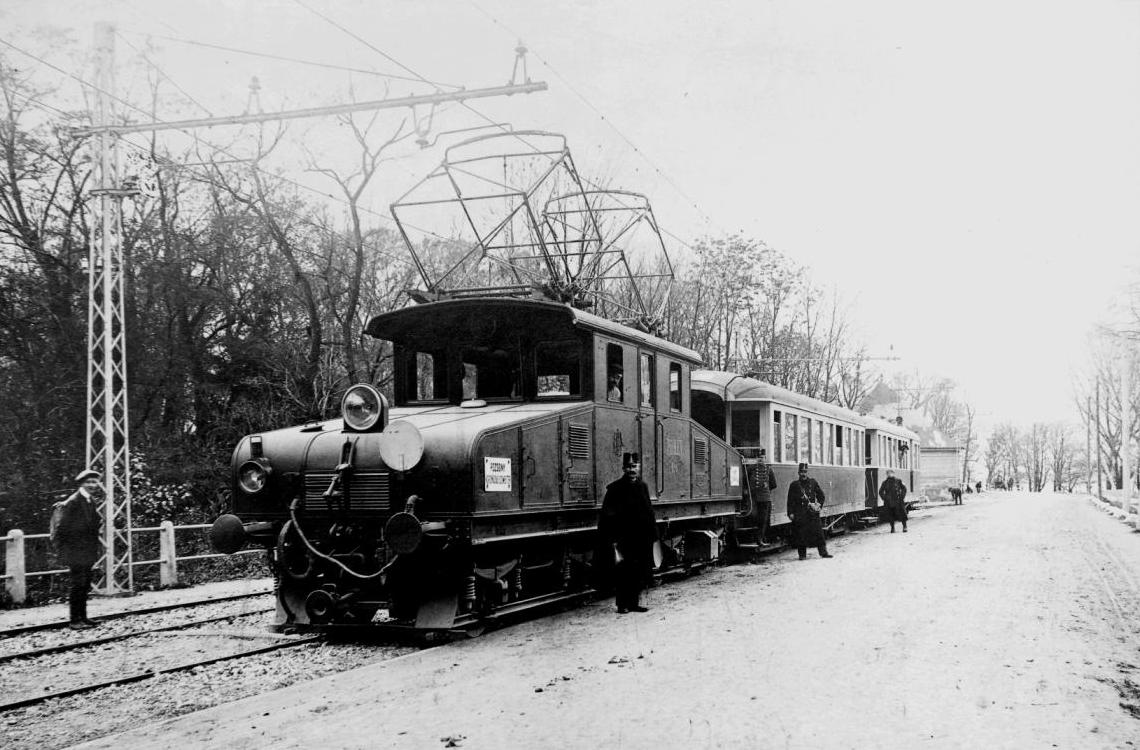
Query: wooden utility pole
point(1126, 429)
point(1099, 480)
point(108, 444)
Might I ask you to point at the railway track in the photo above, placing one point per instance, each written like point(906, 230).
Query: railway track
point(60, 625)
point(74, 645)
point(150, 673)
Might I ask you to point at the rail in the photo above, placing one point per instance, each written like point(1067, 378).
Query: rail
point(16, 574)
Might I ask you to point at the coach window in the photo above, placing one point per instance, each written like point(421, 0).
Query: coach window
point(558, 365)
point(675, 387)
point(817, 443)
point(426, 376)
point(790, 438)
point(839, 445)
point(804, 434)
point(831, 444)
point(777, 437)
point(646, 378)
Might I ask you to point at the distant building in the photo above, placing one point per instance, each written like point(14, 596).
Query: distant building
point(941, 468)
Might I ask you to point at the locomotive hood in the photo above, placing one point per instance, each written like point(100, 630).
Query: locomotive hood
point(450, 436)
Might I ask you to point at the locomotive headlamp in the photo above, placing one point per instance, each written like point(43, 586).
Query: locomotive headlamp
point(253, 474)
point(363, 408)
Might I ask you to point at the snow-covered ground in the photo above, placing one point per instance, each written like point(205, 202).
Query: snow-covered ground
point(1010, 621)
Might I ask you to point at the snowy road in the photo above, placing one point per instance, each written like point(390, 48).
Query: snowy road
point(1010, 621)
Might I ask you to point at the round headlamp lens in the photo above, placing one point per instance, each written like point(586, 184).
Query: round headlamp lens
point(252, 476)
point(362, 407)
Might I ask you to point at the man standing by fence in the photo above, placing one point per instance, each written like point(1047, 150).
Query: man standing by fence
point(75, 534)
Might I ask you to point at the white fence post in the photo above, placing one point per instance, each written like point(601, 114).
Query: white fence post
point(168, 558)
point(15, 566)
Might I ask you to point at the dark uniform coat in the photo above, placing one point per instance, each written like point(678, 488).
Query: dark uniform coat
point(893, 494)
point(78, 533)
point(761, 482)
point(806, 524)
point(627, 521)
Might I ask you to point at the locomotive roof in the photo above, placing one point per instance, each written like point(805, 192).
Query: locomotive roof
point(446, 320)
point(733, 387)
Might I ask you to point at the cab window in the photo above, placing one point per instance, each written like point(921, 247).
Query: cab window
point(558, 365)
point(490, 373)
point(426, 376)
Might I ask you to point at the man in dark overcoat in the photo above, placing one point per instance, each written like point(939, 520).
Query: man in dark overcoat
point(627, 530)
point(805, 503)
point(761, 482)
point(77, 542)
point(893, 494)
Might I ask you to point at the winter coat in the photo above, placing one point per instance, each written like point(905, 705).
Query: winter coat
point(893, 493)
point(78, 534)
point(806, 523)
point(627, 521)
point(761, 482)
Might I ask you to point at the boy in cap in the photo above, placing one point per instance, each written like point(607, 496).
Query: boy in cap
point(627, 529)
point(805, 502)
point(77, 541)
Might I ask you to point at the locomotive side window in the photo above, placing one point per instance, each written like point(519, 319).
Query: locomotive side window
point(646, 379)
point(558, 365)
point(674, 387)
point(615, 377)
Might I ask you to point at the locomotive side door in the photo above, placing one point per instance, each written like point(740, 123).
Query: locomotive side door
point(650, 448)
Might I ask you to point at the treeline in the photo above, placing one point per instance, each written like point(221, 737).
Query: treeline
point(246, 299)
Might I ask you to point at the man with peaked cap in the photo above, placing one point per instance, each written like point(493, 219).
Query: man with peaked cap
point(761, 482)
point(805, 503)
point(627, 530)
point(77, 543)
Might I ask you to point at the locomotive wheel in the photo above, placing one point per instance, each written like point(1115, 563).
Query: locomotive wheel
point(292, 556)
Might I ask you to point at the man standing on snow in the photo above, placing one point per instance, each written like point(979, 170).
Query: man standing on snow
point(893, 494)
point(77, 543)
point(627, 530)
point(805, 502)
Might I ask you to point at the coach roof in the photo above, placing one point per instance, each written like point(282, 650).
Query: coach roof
point(733, 387)
point(446, 319)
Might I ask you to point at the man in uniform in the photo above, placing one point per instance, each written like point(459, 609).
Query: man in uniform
point(627, 529)
point(805, 502)
point(893, 494)
point(761, 482)
point(77, 540)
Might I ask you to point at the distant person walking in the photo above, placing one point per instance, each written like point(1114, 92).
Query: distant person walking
point(76, 537)
point(893, 494)
point(805, 503)
point(627, 529)
point(761, 482)
point(979, 486)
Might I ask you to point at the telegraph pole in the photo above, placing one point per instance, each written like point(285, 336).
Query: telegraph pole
point(108, 444)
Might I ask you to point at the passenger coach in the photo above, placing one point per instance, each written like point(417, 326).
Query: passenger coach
point(848, 453)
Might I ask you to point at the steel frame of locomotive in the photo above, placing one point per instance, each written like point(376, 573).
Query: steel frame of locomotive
point(848, 453)
point(478, 491)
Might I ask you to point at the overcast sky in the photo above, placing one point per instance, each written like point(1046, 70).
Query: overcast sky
point(965, 173)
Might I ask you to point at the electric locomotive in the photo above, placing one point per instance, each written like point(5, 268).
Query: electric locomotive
point(477, 490)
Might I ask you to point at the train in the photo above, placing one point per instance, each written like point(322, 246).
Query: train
point(470, 489)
